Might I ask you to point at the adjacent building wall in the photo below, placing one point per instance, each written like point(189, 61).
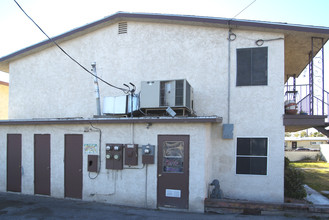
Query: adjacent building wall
point(306, 143)
point(325, 152)
point(4, 96)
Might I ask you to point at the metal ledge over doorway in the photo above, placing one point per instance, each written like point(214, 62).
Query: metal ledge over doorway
point(49, 121)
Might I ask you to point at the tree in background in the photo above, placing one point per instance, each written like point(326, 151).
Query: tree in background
point(303, 134)
point(317, 134)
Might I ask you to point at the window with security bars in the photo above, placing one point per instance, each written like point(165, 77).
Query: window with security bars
point(251, 156)
point(252, 66)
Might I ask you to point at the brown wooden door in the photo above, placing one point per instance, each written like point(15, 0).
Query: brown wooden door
point(14, 161)
point(42, 164)
point(294, 145)
point(73, 165)
point(173, 171)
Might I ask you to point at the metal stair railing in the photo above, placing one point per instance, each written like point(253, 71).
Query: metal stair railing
point(303, 100)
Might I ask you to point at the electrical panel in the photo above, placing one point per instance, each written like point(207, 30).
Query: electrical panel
point(228, 131)
point(114, 156)
point(148, 154)
point(92, 163)
point(166, 93)
point(131, 154)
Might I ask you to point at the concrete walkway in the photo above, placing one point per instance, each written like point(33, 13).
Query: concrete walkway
point(315, 197)
point(18, 206)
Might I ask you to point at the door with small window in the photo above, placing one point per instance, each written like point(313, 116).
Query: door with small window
point(173, 171)
point(294, 145)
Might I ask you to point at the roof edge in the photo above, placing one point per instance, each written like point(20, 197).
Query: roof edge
point(170, 17)
point(57, 121)
point(4, 83)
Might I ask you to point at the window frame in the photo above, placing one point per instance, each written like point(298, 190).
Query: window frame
point(252, 70)
point(252, 156)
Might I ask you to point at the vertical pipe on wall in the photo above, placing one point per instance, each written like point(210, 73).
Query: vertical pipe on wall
point(98, 104)
point(229, 76)
point(132, 133)
point(146, 187)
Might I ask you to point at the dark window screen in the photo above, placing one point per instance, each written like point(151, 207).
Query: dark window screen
point(252, 146)
point(251, 156)
point(251, 66)
point(251, 165)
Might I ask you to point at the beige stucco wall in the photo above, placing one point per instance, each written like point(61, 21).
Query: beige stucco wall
point(255, 112)
point(116, 187)
point(148, 52)
point(59, 88)
point(4, 96)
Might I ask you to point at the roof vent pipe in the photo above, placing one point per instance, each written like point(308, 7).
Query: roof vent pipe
point(98, 104)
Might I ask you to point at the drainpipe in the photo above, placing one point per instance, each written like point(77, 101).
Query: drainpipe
point(228, 128)
point(98, 104)
point(229, 77)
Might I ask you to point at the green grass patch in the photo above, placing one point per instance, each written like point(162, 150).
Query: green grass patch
point(319, 164)
point(317, 179)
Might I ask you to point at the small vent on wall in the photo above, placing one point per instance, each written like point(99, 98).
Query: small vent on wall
point(122, 28)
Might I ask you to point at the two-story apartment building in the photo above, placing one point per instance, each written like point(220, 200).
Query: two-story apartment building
point(230, 126)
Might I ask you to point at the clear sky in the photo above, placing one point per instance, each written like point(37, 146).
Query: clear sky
point(59, 16)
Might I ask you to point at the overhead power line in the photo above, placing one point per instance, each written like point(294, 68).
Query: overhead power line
point(244, 9)
point(74, 60)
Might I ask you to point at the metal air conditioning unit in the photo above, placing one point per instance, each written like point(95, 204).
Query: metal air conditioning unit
point(120, 105)
point(166, 93)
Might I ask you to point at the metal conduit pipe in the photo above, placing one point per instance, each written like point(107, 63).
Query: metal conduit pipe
point(98, 105)
point(230, 38)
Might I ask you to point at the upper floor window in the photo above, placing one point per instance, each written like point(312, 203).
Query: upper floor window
point(251, 156)
point(251, 66)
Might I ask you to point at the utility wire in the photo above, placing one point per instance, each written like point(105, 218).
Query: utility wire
point(74, 60)
point(241, 10)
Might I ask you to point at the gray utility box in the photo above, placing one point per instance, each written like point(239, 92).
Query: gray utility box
point(166, 93)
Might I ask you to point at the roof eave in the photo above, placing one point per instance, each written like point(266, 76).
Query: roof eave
point(281, 27)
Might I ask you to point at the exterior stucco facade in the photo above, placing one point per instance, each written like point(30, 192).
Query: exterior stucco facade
point(47, 84)
point(4, 95)
point(122, 187)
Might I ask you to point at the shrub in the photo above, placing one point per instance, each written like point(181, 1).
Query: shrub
point(307, 159)
point(293, 182)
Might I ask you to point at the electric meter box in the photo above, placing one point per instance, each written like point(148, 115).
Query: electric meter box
point(131, 154)
point(148, 154)
point(114, 156)
point(92, 163)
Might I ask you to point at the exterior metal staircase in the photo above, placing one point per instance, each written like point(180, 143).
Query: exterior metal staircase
point(308, 106)
point(323, 129)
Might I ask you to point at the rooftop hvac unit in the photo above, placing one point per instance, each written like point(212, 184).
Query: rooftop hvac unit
point(120, 105)
point(166, 93)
